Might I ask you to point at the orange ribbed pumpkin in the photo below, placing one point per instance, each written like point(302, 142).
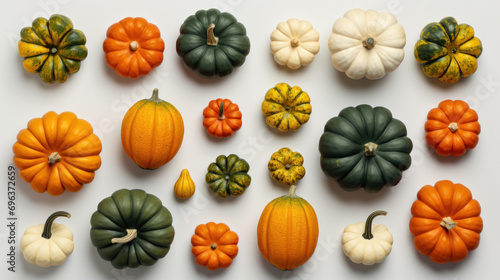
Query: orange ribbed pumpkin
point(214, 245)
point(287, 233)
point(152, 132)
point(133, 47)
point(445, 222)
point(57, 153)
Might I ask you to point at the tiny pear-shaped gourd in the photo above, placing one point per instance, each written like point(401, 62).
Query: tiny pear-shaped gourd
point(184, 187)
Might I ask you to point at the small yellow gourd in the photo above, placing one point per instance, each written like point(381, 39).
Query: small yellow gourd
point(184, 187)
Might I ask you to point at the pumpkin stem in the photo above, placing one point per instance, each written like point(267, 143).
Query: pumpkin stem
point(370, 149)
point(291, 192)
point(213, 246)
point(53, 50)
point(221, 111)
point(131, 235)
point(54, 157)
point(453, 127)
point(294, 42)
point(448, 223)
point(211, 39)
point(50, 220)
point(369, 222)
point(369, 43)
point(134, 46)
point(155, 97)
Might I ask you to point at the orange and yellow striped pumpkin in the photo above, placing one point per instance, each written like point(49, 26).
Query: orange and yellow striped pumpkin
point(152, 132)
point(57, 152)
point(287, 233)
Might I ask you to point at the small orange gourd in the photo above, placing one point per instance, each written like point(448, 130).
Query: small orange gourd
point(184, 187)
point(57, 153)
point(287, 233)
point(133, 47)
point(152, 132)
point(445, 222)
point(452, 128)
point(222, 117)
point(214, 245)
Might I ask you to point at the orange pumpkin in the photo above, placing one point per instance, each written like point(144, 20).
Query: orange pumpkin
point(446, 222)
point(152, 132)
point(133, 47)
point(214, 245)
point(56, 153)
point(287, 233)
point(222, 118)
point(452, 128)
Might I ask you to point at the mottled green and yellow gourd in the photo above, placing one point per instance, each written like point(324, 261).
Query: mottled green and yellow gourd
point(52, 48)
point(448, 50)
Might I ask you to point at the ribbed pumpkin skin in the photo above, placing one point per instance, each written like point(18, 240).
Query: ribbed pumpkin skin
point(225, 124)
point(285, 166)
point(214, 245)
point(435, 203)
point(122, 56)
point(72, 139)
point(132, 209)
point(52, 48)
point(228, 176)
point(448, 50)
point(345, 138)
point(152, 132)
point(286, 108)
point(452, 128)
point(287, 233)
point(211, 61)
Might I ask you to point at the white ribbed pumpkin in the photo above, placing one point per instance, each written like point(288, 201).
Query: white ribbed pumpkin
point(367, 243)
point(47, 244)
point(367, 44)
point(294, 43)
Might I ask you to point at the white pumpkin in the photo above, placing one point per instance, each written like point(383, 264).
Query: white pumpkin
point(367, 44)
point(367, 243)
point(47, 244)
point(294, 43)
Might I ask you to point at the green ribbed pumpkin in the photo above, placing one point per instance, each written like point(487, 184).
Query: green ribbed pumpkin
point(212, 43)
point(52, 48)
point(448, 50)
point(365, 147)
point(228, 176)
point(117, 217)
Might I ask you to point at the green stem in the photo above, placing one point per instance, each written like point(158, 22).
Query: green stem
point(369, 43)
point(221, 111)
point(369, 221)
point(155, 97)
point(211, 39)
point(50, 220)
point(213, 246)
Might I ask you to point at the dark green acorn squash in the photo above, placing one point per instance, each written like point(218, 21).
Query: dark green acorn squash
point(365, 147)
point(131, 228)
point(212, 43)
point(228, 176)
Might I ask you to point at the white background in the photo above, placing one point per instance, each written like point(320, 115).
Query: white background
point(100, 96)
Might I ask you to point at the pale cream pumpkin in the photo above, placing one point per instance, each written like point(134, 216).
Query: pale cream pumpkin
point(367, 44)
point(294, 43)
point(367, 243)
point(47, 244)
